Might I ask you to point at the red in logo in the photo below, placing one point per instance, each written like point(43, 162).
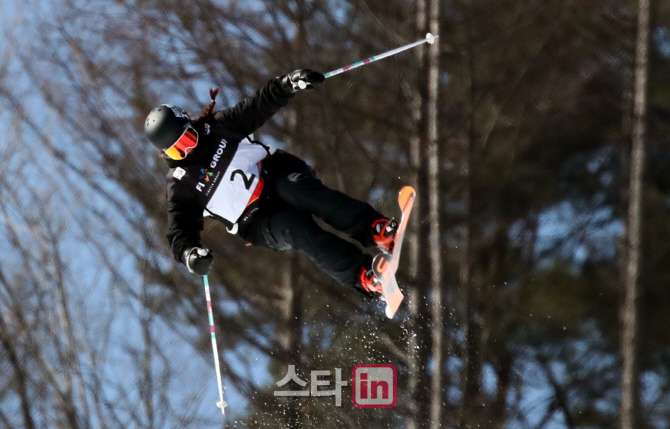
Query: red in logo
point(374, 386)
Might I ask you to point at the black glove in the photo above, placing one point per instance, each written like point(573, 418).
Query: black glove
point(198, 260)
point(303, 79)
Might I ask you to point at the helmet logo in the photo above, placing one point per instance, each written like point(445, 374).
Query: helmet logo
point(178, 112)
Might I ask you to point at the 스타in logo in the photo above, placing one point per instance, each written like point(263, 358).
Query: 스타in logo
point(205, 174)
point(374, 386)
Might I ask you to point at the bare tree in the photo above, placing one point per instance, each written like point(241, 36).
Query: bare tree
point(415, 295)
point(57, 335)
point(468, 301)
point(629, 310)
point(435, 235)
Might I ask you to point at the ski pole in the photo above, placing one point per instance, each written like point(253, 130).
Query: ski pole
point(221, 403)
point(430, 39)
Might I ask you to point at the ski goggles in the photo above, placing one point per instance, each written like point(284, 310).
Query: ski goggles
point(184, 144)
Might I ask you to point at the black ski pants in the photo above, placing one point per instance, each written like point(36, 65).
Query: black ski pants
point(292, 195)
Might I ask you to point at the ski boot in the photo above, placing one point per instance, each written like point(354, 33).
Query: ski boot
point(383, 233)
point(369, 282)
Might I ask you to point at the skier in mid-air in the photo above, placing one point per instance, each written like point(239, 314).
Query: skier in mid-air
point(267, 198)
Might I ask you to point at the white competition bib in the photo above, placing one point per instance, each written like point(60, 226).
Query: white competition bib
point(241, 183)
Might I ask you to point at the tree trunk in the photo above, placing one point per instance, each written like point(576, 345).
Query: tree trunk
point(289, 333)
point(415, 295)
point(21, 379)
point(471, 360)
point(629, 346)
point(435, 252)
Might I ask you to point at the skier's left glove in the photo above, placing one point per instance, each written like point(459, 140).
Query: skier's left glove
point(303, 79)
point(198, 260)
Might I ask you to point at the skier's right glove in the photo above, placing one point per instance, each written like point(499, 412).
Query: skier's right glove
point(303, 79)
point(198, 260)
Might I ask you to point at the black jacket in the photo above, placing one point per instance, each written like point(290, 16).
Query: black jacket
point(185, 204)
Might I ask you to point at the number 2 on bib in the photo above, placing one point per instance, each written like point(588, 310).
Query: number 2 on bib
point(248, 181)
point(233, 194)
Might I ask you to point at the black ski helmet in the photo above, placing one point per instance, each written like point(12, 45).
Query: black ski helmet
point(165, 124)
